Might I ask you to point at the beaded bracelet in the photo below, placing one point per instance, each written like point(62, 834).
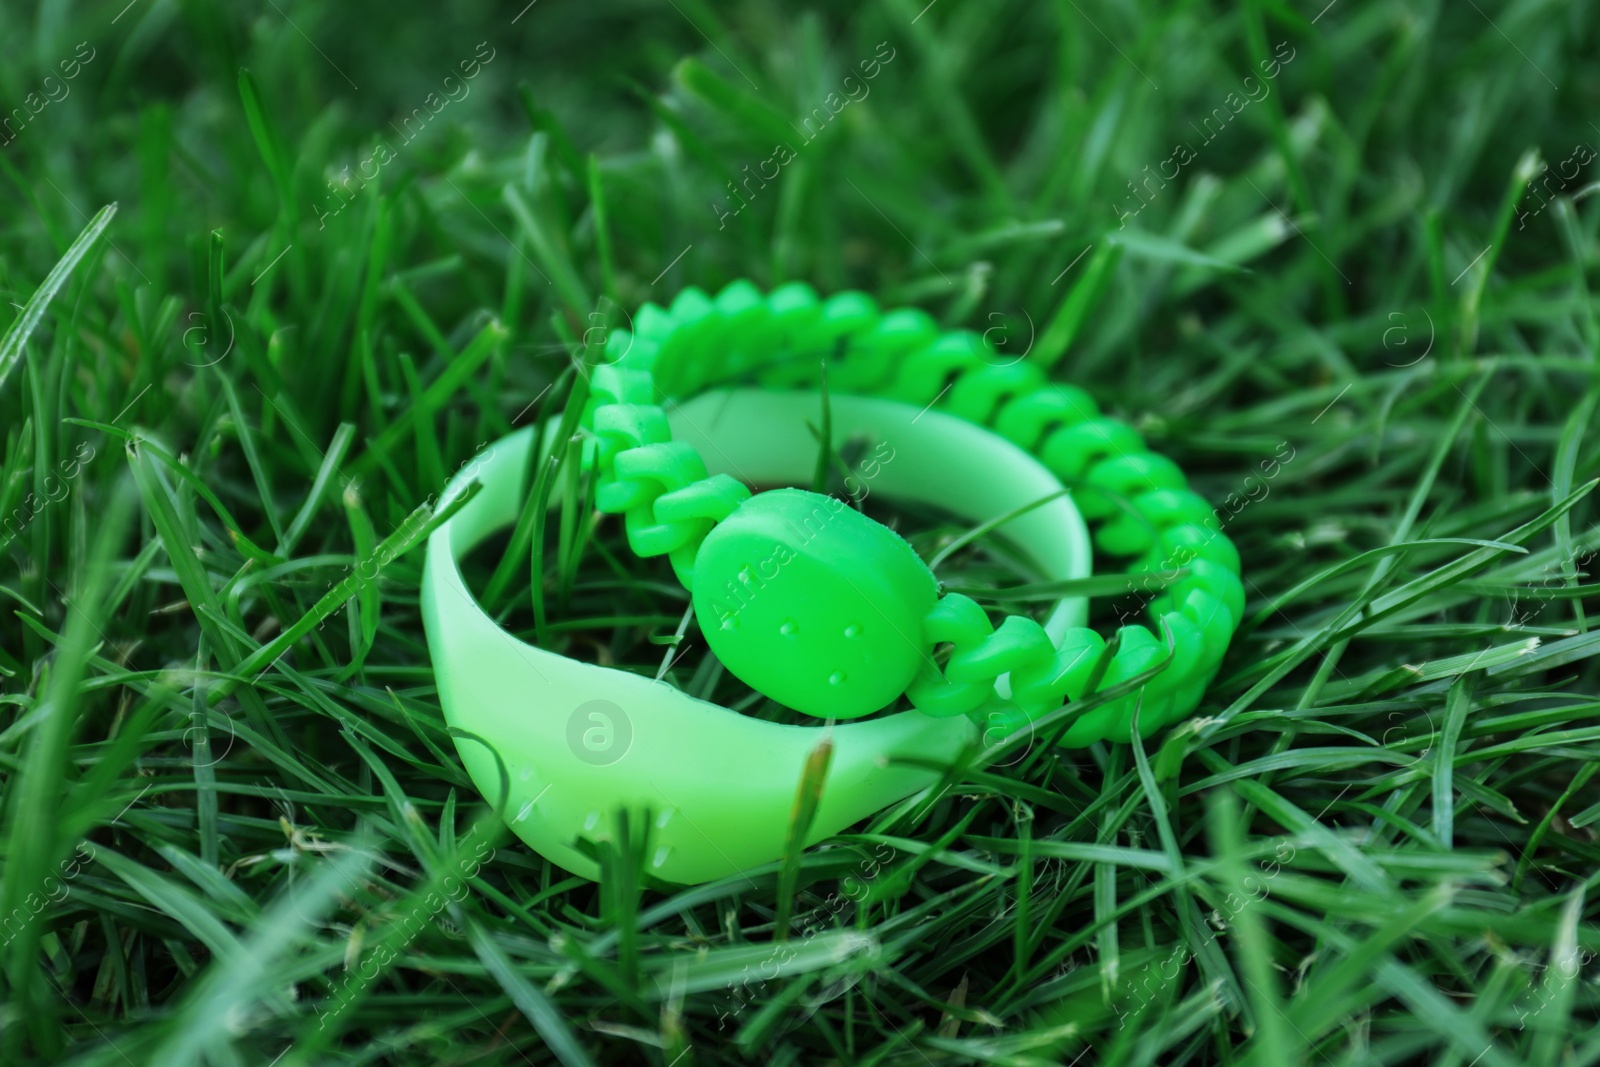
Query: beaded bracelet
point(671, 506)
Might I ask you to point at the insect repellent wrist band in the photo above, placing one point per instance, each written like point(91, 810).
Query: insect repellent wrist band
point(805, 599)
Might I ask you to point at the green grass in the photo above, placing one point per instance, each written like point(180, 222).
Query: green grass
point(1359, 314)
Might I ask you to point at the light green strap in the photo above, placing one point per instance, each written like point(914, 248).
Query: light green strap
point(576, 740)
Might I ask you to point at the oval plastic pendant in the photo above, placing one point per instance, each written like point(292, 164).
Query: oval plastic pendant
point(813, 604)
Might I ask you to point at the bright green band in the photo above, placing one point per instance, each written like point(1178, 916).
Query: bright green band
point(805, 599)
point(574, 741)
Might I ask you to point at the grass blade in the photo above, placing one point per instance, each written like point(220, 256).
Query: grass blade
point(17, 336)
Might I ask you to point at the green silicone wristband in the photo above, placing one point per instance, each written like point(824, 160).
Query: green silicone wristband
point(808, 601)
point(561, 743)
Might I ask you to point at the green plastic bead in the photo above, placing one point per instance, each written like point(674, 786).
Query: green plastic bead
point(652, 321)
point(1138, 652)
point(1157, 510)
point(609, 384)
point(713, 498)
point(690, 307)
point(1189, 647)
point(1000, 720)
point(650, 537)
point(1215, 579)
point(1126, 535)
point(934, 694)
point(873, 357)
point(619, 427)
point(694, 321)
point(714, 358)
point(792, 306)
point(1211, 617)
point(1165, 694)
point(1018, 642)
point(848, 313)
point(1113, 481)
point(1173, 507)
point(814, 604)
point(1132, 476)
point(619, 342)
point(957, 620)
point(1198, 542)
point(644, 473)
point(978, 395)
point(1072, 450)
point(1220, 582)
point(823, 338)
point(740, 303)
point(1026, 420)
point(924, 375)
point(641, 353)
point(1045, 685)
point(746, 332)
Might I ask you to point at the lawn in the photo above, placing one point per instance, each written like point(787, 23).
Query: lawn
point(272, 274)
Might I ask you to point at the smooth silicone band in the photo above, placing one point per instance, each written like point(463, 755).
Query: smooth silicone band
point(577, 741)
